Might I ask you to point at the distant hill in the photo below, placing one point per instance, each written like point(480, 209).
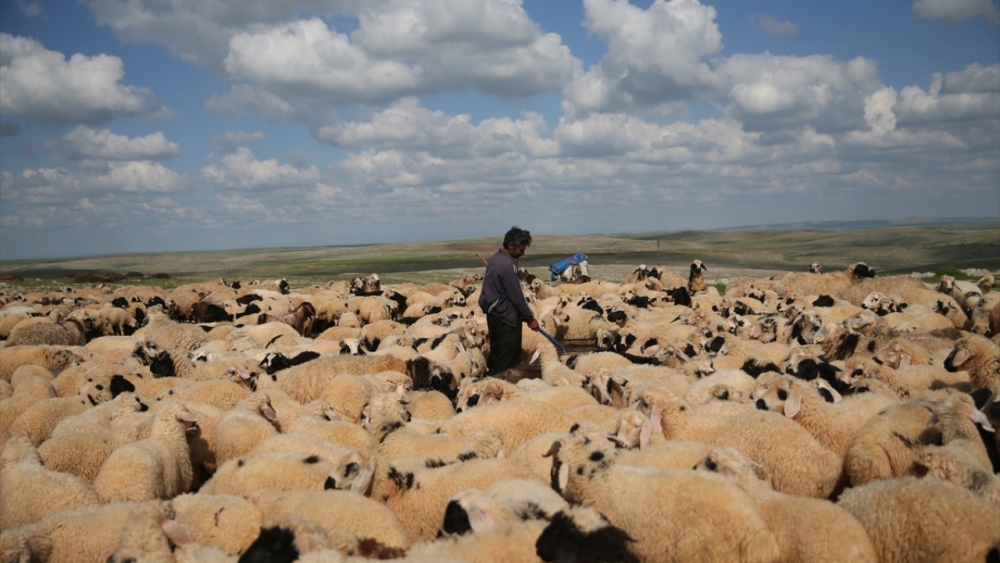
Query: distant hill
point(871, 224)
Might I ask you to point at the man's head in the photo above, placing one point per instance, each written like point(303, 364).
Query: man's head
point(516, 238)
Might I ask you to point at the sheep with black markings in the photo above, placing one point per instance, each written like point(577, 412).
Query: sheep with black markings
point(336, 512)
point(419, 499)
point(39, 420)
point(285, 470)
point(977, 355)
point(797, 462)
point(673, 515)
point(53, 358)
point(321, 420)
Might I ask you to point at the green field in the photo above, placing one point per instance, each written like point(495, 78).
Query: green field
point(890, 250)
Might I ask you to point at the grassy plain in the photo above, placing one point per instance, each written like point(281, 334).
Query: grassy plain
point(727, 254)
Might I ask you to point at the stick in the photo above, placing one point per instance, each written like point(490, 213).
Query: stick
point(552, 340)
point(481, 258)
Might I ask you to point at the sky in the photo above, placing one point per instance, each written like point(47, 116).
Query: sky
point(135, 126)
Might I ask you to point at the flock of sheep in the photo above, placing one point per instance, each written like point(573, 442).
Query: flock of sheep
point(807, 417)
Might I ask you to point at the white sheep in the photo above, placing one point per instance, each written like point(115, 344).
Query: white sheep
point(32, 492)
point(807, 529)
point(156, 467)
point(910, 519)
point(242, 427)
point(979, 356)
point(270, 470)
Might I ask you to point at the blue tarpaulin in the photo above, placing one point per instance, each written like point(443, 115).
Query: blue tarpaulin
point(560, 266)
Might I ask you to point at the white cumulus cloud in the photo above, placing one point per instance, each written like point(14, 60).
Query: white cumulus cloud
point(43, 85)
point(654, 55)
point(241, 170)
point(772, 26)
point(954, 11)
point(86, 143)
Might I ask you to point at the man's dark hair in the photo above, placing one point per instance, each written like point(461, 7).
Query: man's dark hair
point(516, 237)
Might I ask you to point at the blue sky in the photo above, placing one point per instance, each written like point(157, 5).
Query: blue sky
point(153, 125)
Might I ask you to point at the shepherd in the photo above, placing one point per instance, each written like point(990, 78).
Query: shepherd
point(504, 304)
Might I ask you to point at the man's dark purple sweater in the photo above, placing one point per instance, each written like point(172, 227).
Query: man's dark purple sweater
point(502, 295)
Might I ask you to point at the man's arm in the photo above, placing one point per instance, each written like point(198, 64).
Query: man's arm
point(512, 286)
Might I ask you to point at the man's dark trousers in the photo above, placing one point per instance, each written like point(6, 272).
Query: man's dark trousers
point(505, 345)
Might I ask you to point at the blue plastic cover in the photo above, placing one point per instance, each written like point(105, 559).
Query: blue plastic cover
point(559, 267)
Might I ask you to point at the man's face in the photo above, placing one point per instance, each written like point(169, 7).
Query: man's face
point(516, 251)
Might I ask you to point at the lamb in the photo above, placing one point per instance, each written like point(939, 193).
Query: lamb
point(979, 356)
point(240, 429)
point(156, 467)
point(32, 492)
point(833, 425)
point(170, 334)
point(284, 470)
point(673, 515)
point(806, 529)
point(959, 421)
point(337, 512)
point(418, 499)
point(910, 519)
point(796, 463)
point(490, 390)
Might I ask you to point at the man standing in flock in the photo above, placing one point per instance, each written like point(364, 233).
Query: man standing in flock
point(504, 304)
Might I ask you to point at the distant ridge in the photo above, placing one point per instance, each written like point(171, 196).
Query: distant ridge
point(870, 224)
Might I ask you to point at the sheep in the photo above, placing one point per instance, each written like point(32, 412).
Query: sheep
point(337, 512)
point(979, 356)
point(583, 535)
point(156, 467)
point(806, 529)
point(428, 405)
point(307, 382)
point(32, 492)
point(172, 335)
point(70, 332)
point(673, 515)
point(518, 419)
point(834, 283)
point(886, 446)
point(511, 543)
point(285, 470)
point(37, 387)
point(246, 424)
point(6, 390)
point(418, 499)
point(959, 421)
point(302, 443)
point(143, 536)
point(489, 390)
point(220, 393)
point(39, 419)
point(503, 502)
point(53, 358)
point(91, 533)
point(301, 318)
point(320, 419)
point(796, 463)
point(910, 519)
point(833, 425)
point(696, 282)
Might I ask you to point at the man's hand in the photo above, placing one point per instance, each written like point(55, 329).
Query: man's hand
point(533, 325)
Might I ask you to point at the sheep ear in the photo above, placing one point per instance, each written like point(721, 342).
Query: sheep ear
point(268, 412)
point(479, 519)
point(793, 405)
point(534, 357)
point(980, 418)
point(656, 418)
point(400, 391)
point(728, 472)
point(645, 433)
point(933, 420)
point(176, 533)
point(186, 416)
point(960, 357)
point(331, 414)
point(904, 360)
point(553, 449)
point(363, 480)
point(563, 476)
